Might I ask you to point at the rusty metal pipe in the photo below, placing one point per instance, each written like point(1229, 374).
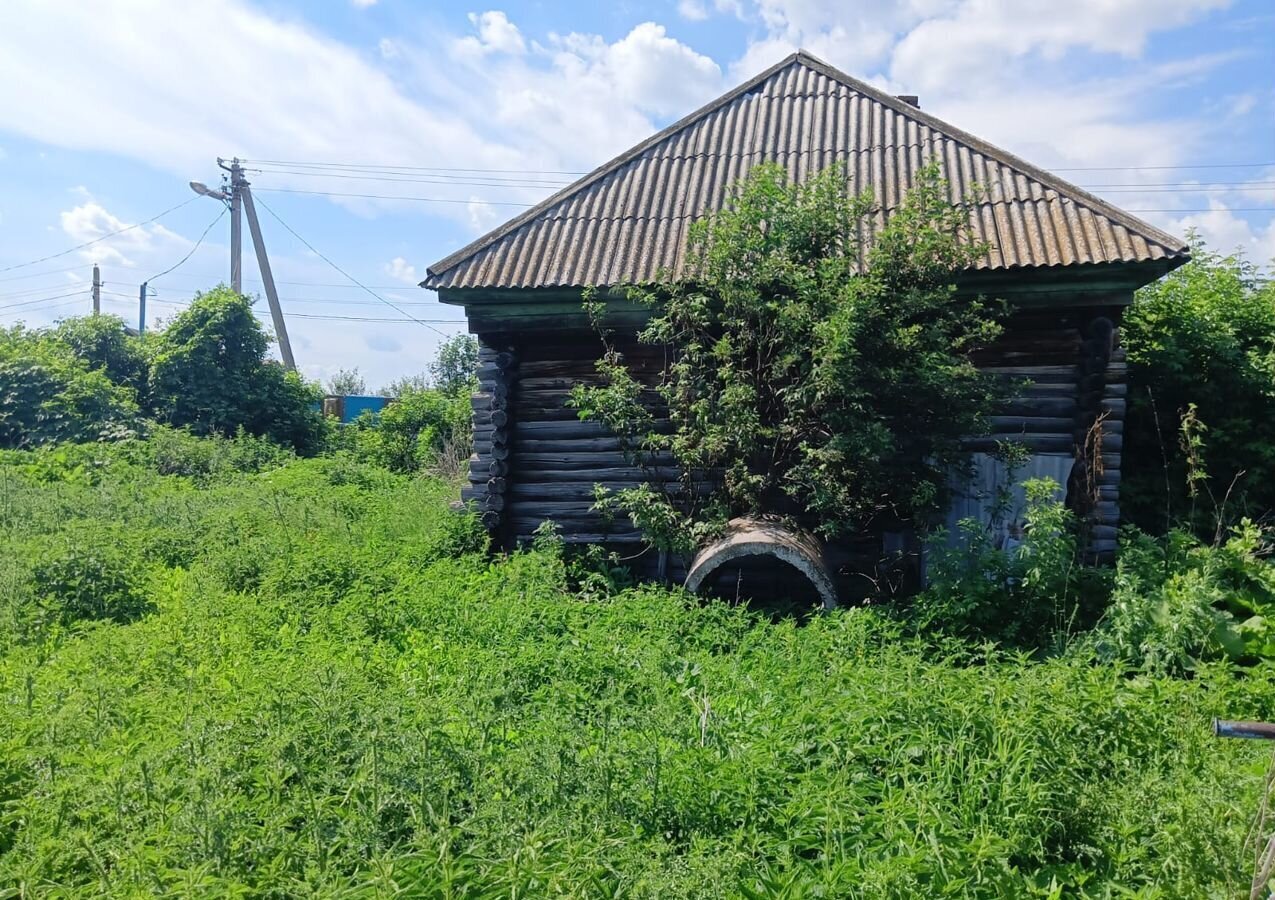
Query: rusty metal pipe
point(1258, 731)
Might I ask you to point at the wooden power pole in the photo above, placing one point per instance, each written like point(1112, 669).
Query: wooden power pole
point(272, 296)
point(97, 290)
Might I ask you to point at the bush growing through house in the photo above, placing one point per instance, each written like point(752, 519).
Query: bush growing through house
point(814, 378)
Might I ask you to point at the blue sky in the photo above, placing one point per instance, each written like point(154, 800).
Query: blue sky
point(1166, 107)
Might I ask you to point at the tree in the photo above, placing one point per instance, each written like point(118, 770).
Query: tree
point(209, 372)
point(809, 376)
point(401, 387)
point(347, 383)
point(453, 368)
point(105, 345)
point(48, 394)
point(1201, 417)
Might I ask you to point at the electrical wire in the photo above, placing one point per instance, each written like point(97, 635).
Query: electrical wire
point(345, 273)
point(98, 240)
point(375, 166)
point(405, 178)
point(50, 306)
point(431, 322)
point(192, 249)
point(38, 274)
point(79, 293)
point(386, 197)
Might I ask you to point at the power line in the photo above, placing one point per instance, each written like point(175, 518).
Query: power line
point(406, 178)
point(192, 249)
point(377, 319)
point(345, 273)
point(385, 197)
point(1256, 165)
point(38, 274)
point(374, 166)
point(100, 239)
point(79, 293)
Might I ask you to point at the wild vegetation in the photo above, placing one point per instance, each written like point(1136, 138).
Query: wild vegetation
point(275, 676)
point(244, 652)
point(810, 374)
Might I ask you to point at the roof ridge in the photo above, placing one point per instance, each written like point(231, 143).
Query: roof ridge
point(1067, 191)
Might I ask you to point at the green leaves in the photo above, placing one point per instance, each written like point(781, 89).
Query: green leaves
point(808, 374)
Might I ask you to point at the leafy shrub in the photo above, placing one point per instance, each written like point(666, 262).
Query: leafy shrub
point(47, 395)
point(415, 432)
point(174, 451)
point(86, 576)
point(1201, 341)
point(104, 345)
point(209, 373)
point(1032, 594)
point(1178, 601)
point(806, 376)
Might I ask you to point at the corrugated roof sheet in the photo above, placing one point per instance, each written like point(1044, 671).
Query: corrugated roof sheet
point(627, 221)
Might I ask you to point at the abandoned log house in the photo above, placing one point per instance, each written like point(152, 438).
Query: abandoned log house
point(1067, 261)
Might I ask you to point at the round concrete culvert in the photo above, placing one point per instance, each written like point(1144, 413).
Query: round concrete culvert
point(760, 545)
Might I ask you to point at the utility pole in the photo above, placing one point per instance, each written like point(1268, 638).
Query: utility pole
point(141, 310)
point(236, 227)
point(97, 290)
point(239, 198)
point(272, 296)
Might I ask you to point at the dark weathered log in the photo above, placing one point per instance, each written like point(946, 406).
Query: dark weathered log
point(579, 490)
point(555, 461)
point(494, 502)
point(1031, 424)
point(570, 445)
point(496, 485)
point(490, 520)
point(498, 467)
point(500, 451)
point(627, 474)
point(499, 418)
point(1038, 407)
point(1037, 443)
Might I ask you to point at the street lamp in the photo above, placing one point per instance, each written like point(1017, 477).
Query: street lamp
point(204, 190)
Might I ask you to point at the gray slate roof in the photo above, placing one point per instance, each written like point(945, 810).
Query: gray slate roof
point(626, 222)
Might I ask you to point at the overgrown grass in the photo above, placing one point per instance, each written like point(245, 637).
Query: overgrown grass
point(332, 692)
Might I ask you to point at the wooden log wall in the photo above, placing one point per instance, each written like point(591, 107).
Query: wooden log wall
point(535, 460)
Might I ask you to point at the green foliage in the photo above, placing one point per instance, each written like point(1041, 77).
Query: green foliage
point(85, 575)
point(337, 694)
point(1201, 343)
point(209, 373)
point(421, 430)
point(347, 383)
point(49, 394)
point(104, 344)
point(454, 368)
point(1035, 593)
point(1178, 601)
point(807, 376)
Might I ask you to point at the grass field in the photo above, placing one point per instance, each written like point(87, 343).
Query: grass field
point(318, 685)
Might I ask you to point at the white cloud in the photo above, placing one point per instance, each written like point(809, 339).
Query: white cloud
point(266, 88)
point(363, 4)
point(692, 10)
point(400, 270)
point(388, 48)
point(482, 215)
point(496, 34)
point(90, 221)
point(1226, 232)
